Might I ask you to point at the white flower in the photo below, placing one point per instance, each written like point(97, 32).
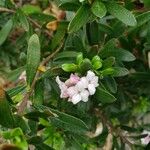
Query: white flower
point(146, 139)
point(84, 95)
point(92, 78)
point(78, 89)
point(95, 81)
point(71, 91)
point(84, 82)
point(80, 86)
point(62, 87)
point(90, 75)
point(76, 98)
point(91, 89)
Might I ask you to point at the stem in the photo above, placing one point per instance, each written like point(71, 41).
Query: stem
point(2, 9)
point(26, 97)
point(111, 128)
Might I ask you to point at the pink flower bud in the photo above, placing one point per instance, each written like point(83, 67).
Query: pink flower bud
point(72, 80)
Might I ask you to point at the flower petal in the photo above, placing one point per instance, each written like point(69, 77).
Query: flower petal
point(95, 81)
point(91, 89)
point(79, 86)
point(72, 91)
point(90, 75)
point(84, 95)
point(84, 82)
point(76, 98)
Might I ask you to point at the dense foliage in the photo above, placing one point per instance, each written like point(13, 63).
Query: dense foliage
point(98, 50)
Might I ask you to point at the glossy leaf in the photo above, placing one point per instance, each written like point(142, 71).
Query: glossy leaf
point(80, 19)
point(120, 71)
point(33, 57)
point(6, 120)
point(23, 20)
point(121, 13)
point(4, 32)
point(98, 9)
point(104, 96)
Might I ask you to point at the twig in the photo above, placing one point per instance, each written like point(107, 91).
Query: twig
point(111, 128)
point(23, 104)
point(2, 9)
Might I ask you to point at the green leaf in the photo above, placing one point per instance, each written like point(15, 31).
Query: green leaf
point(93, 32)
point(66, 54)
point(69, 67)
point(120, 71)
point(39, 92)
point(20, 122)
point(33, 57)
point(68, 122)
point(96, 62)
point(42, 18)
point(143, 18)
point(63, 120)
point(98, 9)
point(14, 91)
point(5, 31)
point(59, 35)
point(69, 6)
point(121, 13)
point(108, 62)
point(85, 65)
point(23, 20)
point(6, 117)
point(80, 19)
point(111, 49)
point(79, 58)
point(107, 71)
point(110, 84)
point(29, 9)
point(146, 3)
point(104, 96)
point(18, 138)
point(118, 53)
point(142, 76)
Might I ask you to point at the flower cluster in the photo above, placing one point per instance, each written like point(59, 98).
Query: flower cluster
point(78, 89)
point(146, 139)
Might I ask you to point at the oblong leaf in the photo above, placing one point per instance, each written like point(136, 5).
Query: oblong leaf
point(6, 117)
point(120, 71)
point(33, 57)
point(118, 53)
point(98, 9)
point(80, 19)
point(23, 20)
point(104, 96)
point(121, 13)
point(5, 31)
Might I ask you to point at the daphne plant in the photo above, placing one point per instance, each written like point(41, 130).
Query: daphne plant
point(74, 74)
